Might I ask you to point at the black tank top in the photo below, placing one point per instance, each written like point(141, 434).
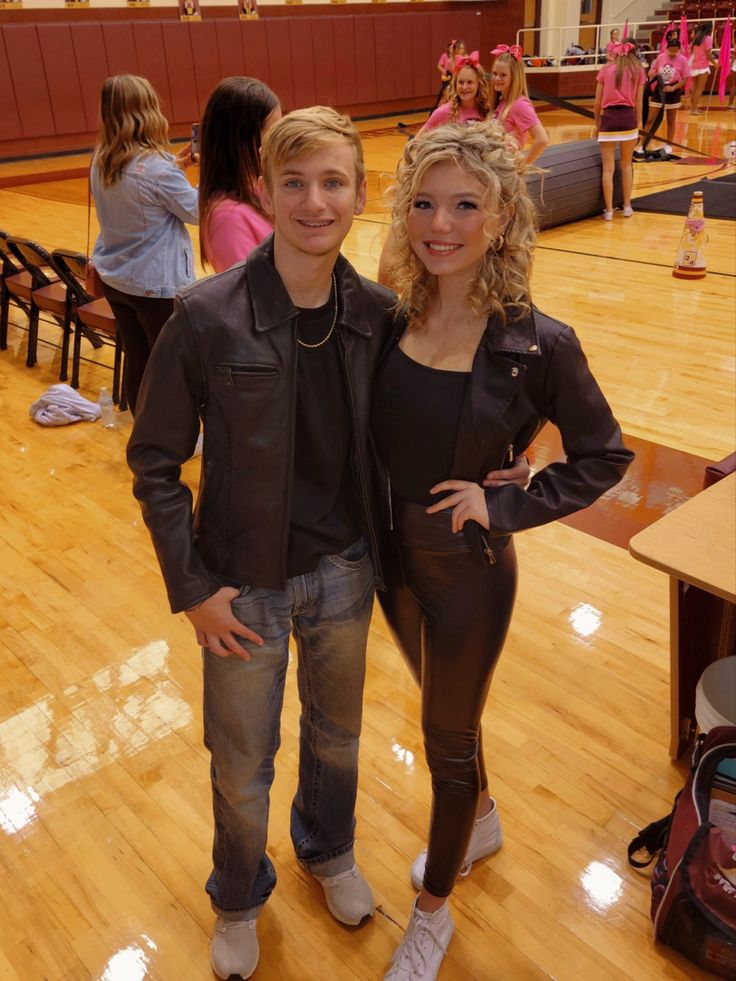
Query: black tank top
point(415, 415)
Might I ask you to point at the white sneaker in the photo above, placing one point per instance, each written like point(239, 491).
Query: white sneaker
point(486, 839)
point(349, 897)
point(419, 955)
point(667, 149)
point(234, 948)
point(628, 211)
point(608, 216)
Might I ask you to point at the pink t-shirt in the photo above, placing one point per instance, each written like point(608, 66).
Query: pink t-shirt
point(443, 115)
point(520, 119)
point(623, 96)
point(445, 63)
point(672, 69)
point(699, 53)
point(233, 230)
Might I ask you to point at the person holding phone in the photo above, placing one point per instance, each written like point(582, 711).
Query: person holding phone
point(471, 374)
point(143, 199)
point(238, 115)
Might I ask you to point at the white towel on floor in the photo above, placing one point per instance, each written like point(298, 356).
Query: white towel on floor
point(61, 405)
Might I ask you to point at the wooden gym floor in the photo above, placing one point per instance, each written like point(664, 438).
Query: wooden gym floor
point(104, 792)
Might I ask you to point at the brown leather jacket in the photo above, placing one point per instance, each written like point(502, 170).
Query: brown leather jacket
point(228, 357)
point(525, 373)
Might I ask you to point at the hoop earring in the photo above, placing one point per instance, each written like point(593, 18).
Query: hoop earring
point(498, 245)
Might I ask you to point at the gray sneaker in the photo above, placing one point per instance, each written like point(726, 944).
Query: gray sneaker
point(485, 840)
point(349, 897)
point(419, 955)
point(234, 948)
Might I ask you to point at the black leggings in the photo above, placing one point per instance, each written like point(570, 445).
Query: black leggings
point(449, 613)
point(139, 320)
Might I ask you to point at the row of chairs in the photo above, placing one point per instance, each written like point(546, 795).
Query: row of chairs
point(55, 283)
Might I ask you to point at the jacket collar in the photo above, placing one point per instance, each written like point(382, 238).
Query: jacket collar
point(516, 336)
point(273, 307)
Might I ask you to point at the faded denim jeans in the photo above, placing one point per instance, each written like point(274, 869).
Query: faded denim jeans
point(329, 612)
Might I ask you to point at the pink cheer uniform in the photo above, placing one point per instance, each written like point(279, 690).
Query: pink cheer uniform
point(520, 118)
point(443, 115)
point(618, 104)
point(672, 71)
point(231, 232)
point(699, 57)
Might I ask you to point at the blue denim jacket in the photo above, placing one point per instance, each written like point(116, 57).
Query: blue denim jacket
point(143, 248)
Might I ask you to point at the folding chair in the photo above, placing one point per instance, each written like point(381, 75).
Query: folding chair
point(47, 294)
point(16, 285)
point(92, 317)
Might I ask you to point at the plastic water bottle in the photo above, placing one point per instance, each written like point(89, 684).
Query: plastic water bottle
point(107, 411)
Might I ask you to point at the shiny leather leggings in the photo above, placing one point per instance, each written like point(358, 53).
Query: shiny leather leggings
point(449, 613)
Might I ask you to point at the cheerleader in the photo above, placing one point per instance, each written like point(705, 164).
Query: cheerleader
point(618, 104)
point(673, 70)
point(469, 98)
point(702, 60)
point(512, 107)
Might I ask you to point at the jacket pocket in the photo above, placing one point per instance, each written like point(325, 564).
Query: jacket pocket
point(241, 375)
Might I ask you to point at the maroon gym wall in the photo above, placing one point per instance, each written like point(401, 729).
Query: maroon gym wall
point(363, 59)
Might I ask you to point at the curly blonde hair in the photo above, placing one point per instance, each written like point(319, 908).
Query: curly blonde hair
point(484, 151)
point(483, 96)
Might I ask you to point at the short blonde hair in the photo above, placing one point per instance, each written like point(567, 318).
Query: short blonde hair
point(483, 151)
point(305, 131)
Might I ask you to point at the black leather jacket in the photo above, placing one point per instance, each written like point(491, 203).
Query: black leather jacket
point(525, 373)
point(228, 356)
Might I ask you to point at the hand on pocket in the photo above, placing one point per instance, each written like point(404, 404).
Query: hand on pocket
point(218, 629)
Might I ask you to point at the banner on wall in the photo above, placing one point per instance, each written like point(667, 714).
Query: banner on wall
point(189, 10)
point(139, 3)
point(76, 3)
point(12, 4)
point(248, 9)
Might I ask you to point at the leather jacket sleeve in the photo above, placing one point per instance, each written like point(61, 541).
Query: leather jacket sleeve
point(163, 438)
point(596, 456)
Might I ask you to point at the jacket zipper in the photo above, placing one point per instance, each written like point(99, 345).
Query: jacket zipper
point(286, 524)
point(487, 550)
point(360, 467)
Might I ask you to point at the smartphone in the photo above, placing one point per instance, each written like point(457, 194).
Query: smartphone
point(195, 139)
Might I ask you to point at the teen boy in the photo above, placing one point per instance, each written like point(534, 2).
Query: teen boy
point(275, 357)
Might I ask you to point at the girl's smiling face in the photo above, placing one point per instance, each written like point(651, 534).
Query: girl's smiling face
point(501, 78)
point(450, 223)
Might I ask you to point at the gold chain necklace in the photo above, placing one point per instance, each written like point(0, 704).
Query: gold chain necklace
point(328, 335)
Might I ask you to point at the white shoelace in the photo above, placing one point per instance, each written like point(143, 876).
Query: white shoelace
point(418, 947)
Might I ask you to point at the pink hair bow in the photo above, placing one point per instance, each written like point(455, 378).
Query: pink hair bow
point(622, 49)
point(468, 61)
point(514, 50)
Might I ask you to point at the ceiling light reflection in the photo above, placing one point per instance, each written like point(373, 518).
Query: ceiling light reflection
point(602, 884)
point(403, 756)
point(585, 619)
point(17, 810)
point(130, 964)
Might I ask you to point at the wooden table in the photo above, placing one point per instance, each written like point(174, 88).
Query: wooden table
point(696, 545)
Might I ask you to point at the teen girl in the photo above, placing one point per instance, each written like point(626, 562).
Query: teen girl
point(702, 60)
point(618, 105)
point(444, 66)
point(473, 370)
point(237, 116)
point(469, 99)
point(673, 69)
point(144, 253)
point(512, 107)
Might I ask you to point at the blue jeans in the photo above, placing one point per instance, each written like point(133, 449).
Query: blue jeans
point(329, 612)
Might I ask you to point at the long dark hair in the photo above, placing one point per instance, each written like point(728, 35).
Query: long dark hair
point(702, 32)
point(230, 141)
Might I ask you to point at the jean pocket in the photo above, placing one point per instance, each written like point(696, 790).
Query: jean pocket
point(353, 557)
